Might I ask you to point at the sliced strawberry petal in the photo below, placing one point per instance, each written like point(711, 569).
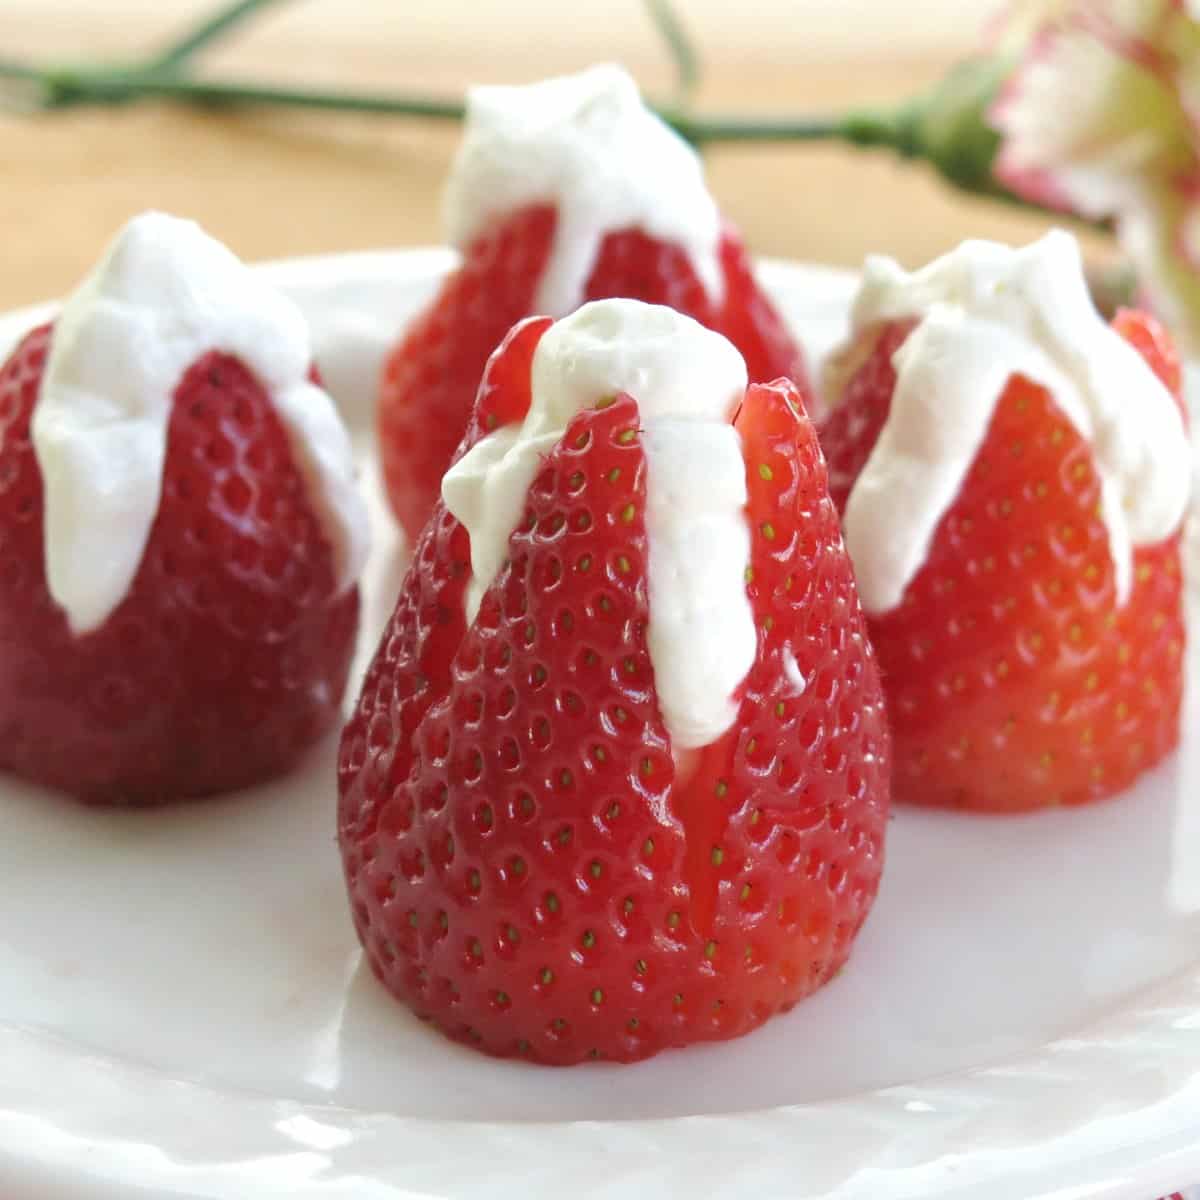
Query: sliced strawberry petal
point(634, 265)
point(430, 379)
point(409, 673)
point(1152, 341)
point(753, 324)
point(849, 433)
point(570, 764)
point(803, 774)
point(504, 393)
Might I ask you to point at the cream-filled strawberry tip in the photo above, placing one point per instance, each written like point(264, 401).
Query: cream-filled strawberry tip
point(563, 191)
point(688, 382)
point(1014, 473)
point(618, 776)
point(181, 530)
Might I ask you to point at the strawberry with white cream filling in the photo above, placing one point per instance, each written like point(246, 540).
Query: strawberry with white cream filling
point(180, 531)
point(1014, 473)
point(563, 192)
point(618, 776)
point(164, 295)
point(985, 313)
point(586, 144)
point(689, 383)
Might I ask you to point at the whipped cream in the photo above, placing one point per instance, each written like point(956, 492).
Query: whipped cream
point(988, 312)
point(165, 295)
point(687, 382)
point(588, 145)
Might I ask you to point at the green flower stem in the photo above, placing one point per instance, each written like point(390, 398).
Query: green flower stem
point(904, 131)
point(701, 130)
point(683, 53)
point(87, 87)
point(959, 150)
point(72, 86)
point(217, 26)
point(68, 86)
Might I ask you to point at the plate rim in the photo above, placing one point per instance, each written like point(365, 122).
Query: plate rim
point(1052, 1114)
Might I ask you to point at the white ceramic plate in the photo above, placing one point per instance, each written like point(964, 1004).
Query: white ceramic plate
point(184, 1010)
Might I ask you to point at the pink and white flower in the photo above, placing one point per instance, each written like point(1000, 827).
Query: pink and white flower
point(1102, 118)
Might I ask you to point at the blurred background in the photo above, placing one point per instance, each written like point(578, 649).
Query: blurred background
point(283, 183)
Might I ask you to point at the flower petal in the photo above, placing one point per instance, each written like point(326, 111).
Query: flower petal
point(1080, 121)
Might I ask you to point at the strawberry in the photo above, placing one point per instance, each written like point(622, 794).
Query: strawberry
point(530, 864)
point(227, 657)
point(430, 378)
point(1016, 678)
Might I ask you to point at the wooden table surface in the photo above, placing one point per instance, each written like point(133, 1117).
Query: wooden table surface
point(274, 184)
